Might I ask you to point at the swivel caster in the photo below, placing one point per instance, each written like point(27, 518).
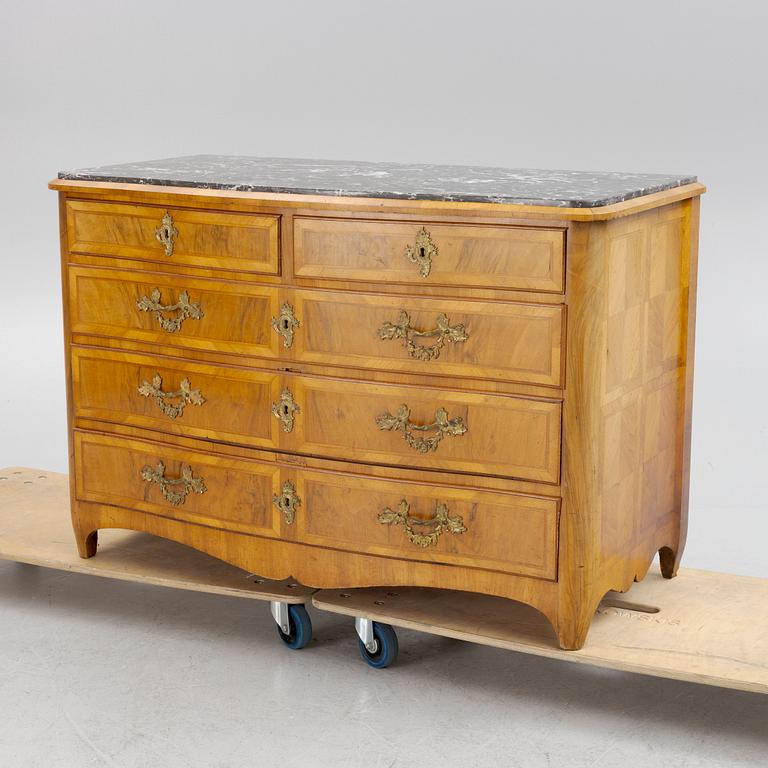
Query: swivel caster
point(377, 643)
point(294, 626)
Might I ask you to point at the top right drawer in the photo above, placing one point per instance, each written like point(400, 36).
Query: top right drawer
point(429, 253)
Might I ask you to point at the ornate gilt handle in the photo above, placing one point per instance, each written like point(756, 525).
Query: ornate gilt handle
point(402, 329)
point(287, 501)
point(185, 393)
point(188, 483)
point(422, 252)
point(441, 521)
point(166, 233)
point(183, 307)
point(286, 409)
point(286, 324)
point(441, 427)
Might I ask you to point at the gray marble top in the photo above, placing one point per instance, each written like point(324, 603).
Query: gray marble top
point(479, 184)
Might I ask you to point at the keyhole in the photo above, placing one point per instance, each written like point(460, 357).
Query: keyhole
point(286, 324)
point(285, 410)
point(422, 252)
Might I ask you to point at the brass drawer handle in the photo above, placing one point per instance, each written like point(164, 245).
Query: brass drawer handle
point(402, 329)
point(286, 324)
point(183, 306)
point(286, 409)
point(441, 426)
point(288, 501)
point(188, 483)
point(441, 521)
point(188, 396)
point(422, 252)
point(166, 233)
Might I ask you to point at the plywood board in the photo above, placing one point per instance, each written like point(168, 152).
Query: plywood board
point(35, 528)
point(704, 627)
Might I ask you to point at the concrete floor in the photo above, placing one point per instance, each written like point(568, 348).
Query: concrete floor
point(103, 673)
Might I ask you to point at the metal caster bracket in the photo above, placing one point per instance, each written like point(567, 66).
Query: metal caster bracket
point(279, 611)
point(364, 629)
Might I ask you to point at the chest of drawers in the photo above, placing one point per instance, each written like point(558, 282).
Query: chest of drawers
point(367, 374)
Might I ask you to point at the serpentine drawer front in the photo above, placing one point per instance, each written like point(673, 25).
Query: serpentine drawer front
point(368, 374)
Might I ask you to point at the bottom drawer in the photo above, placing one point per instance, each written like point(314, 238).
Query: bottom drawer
point(505, 532)
point(443, 524)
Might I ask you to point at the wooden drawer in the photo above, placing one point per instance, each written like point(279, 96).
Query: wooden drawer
point(486, 340)
point(503, 531)
point(213, 402)
point(428, 253)
point(236, 241)
point(221, 491)
point(498, 435)
point(215, 316)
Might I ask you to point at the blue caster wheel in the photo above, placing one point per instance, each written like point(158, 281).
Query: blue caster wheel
point(300, 628)
point(386, 647)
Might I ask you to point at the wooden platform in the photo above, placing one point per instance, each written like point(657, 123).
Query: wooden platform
point(702, 627)
point(35, 528)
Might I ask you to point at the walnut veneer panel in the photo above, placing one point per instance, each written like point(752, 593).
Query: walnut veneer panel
point(236, 494)
point(499, 257)
point(244, 242)
point(501, 340)
point(507, 436)
point(504, 532)
point(236, 403)
point(233, 317)
point(626, 415)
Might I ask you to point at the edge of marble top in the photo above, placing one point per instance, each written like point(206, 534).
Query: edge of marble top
point(107, 174)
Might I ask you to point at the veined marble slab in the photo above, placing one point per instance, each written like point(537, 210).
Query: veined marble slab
point(478, 184)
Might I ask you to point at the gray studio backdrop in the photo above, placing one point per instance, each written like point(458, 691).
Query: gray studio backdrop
point(657, 86)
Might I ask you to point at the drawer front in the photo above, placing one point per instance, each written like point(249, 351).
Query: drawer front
point(497, 531)
point(235, 494)
point(236, 241)
point(216, 403)
point(487, 340)
point(505, 532)
point(427, 428)
point(174, 310)
point(414, 253)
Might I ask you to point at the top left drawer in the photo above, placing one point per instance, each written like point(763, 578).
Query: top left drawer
point(236, 241)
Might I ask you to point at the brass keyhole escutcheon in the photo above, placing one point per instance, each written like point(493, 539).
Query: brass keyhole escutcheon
point(166, 233)
point(422, 252)
point(286, 324)
point(286, 409)
point(287, 501)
